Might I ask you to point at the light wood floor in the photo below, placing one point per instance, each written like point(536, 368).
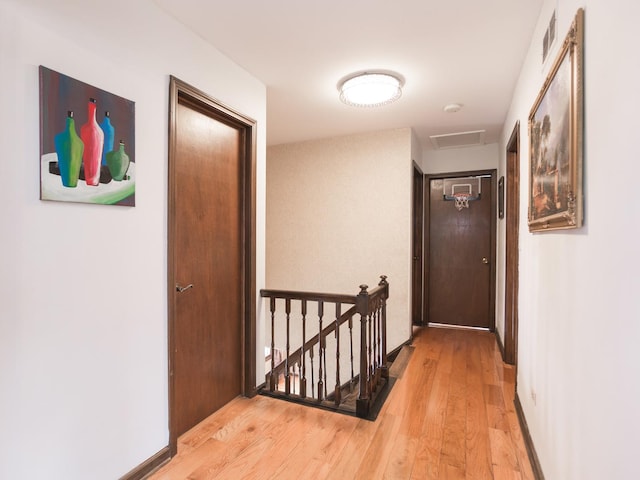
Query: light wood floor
point(450, 416)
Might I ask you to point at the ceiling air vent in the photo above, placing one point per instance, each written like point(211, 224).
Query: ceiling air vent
point(458, 140)
point(549, 37)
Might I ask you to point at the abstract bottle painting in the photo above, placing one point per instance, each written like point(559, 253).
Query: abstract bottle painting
point(74, 162)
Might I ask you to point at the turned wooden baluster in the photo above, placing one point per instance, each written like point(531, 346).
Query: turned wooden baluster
point(376, 336)
point(295, 366)
point(376, 347)
point(338, 396)
point(320, 352)
point(377, 352)
point(353, 378)
point(312, 371)
point(324, 361)
point(370, 341)
point(272, 377)
point(303, 372)
point(287, 375)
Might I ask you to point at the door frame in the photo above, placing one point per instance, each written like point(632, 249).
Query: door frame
point(512, 217)
point(180, 90)
point(417, 225)
point(493, 173)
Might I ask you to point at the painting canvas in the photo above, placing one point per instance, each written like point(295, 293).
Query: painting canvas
point(87, 143)
point(555, 133)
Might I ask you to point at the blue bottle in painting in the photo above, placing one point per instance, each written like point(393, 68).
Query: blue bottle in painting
point(109, 134)
point(69, 148)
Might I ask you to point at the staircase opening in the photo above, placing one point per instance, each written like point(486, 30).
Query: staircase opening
point(330, 350)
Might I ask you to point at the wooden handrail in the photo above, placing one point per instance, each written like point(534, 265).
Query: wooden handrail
point(309, 296)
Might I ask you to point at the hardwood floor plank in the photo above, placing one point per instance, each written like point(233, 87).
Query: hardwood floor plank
point(375, 460)
point(505, 473)
point(497, 418)
point(450, 416)
point(182, 465)
point(427, 460)
point(451, 472)
point(402, 457)
point(322, 435)
point(201, 432)
point(455, 427)
point(412, 422)
point(274, 447)
point(493, 395)
point(348, 462)
point(502, 452)
point(478, 447)
point(518, 442)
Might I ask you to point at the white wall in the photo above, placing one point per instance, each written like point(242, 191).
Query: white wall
point(84, 383)
point(579, 312)
point(482, 157)
point(339, 214)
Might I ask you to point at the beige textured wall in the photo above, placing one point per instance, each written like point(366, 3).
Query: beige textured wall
point(339, 214)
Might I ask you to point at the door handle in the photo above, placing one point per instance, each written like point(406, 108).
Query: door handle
point(485, 260)
point(180, 289)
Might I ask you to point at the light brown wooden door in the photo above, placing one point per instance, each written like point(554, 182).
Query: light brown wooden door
point(206, 255)
point(461, 259)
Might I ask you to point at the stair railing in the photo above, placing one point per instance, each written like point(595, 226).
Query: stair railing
point(302, 357)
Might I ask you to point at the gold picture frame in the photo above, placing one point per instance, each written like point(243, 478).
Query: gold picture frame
point(556, 140)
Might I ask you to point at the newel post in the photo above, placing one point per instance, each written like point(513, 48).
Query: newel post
point(385, 296)
point(362, 307)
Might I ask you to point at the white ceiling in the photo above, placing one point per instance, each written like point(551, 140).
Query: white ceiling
point(462, 51)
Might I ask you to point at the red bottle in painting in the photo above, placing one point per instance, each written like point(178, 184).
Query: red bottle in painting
point(93, 138)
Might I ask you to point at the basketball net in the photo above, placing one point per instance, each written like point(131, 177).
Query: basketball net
point(462, 200)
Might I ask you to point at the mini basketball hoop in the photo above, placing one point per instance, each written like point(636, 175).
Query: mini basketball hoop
point(461, 199)
point(462, 191)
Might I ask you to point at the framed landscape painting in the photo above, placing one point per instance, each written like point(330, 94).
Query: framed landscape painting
point(87, 143)
point(555, 135)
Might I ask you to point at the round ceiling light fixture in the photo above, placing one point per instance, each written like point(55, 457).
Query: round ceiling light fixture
point(452, 107)
point(371, 89)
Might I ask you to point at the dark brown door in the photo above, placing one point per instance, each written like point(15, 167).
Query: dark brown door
point(417, 290)
point(461, 250)
point(207, 259)
point(511, 254)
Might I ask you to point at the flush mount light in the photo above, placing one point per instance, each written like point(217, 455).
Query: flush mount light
point(452, 107)
point(370, 89)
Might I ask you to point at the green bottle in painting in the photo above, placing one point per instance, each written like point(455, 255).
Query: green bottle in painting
point(69, 148)
point(118, 163)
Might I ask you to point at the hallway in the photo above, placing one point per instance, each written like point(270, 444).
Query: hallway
point(450, 415)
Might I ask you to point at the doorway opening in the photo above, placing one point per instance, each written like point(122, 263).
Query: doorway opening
point(417, 267)
point(512, 215)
